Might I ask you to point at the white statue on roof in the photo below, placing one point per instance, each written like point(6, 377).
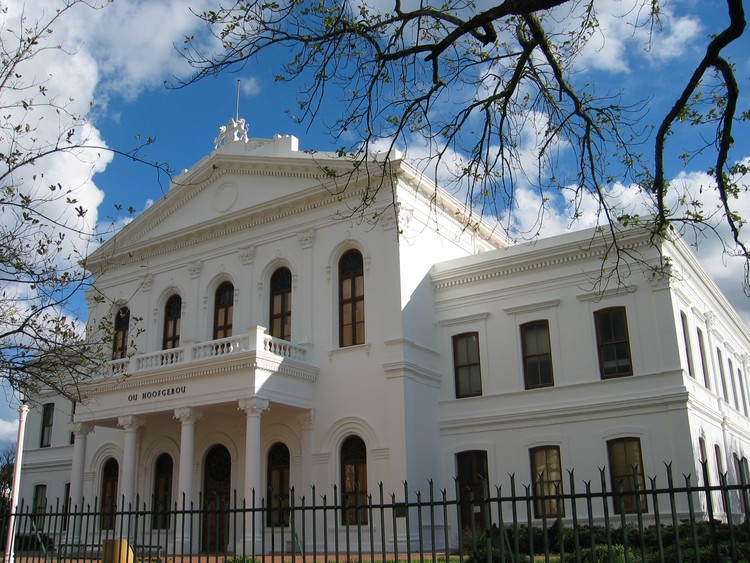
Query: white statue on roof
point(232, 132)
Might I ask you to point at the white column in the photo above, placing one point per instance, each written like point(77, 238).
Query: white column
point(187, 416)
point(23, 410)
point(253, 408)
point(306, 420)
point(131, 425)
point(80, 432)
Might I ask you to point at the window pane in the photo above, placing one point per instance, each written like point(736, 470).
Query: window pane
point(467, 365)
point(626, 475)
point(351, 299)
point(612, 343)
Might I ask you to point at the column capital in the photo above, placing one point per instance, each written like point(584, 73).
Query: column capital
point(80, 429)
point(130, 422)
point(306, 419)
point(187, 415)
point(253, 406)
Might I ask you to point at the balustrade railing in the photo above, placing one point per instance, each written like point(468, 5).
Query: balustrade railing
point(257, 341)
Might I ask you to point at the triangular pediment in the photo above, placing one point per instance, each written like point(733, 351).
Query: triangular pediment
point(239, 180)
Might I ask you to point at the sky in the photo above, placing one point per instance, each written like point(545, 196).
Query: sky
point(116, 60)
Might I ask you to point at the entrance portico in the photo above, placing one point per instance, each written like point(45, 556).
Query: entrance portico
point(188, 411)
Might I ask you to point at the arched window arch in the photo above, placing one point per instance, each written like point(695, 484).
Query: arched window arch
point(278, 485)
point(120, 340)
point(172, 315)
point(108, 504)
point(351, 299)
point(354, 481)
point(280, 317)
point(223, 310)
point(162, 500)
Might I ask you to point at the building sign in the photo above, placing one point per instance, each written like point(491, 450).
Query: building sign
point(157, 393)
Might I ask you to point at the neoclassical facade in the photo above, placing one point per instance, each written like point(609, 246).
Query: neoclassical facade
point(267, 336)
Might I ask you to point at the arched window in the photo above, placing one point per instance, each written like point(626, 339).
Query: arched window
point(162, 500)
point(172, 315)
point(351, 299)
point(280, 318)
point(278, 485)
point(108, 504)
point(120, 341)
point(223, 309)
point(354, 481)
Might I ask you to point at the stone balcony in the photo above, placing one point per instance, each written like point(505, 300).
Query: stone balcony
point(257, 341)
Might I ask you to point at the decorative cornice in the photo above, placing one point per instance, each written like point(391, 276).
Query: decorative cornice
point(467, 319)
point(532, 307)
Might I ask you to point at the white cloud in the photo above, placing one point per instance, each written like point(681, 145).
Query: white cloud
point(8, 431)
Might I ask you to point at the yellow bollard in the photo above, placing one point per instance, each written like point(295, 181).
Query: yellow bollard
point(117, 551)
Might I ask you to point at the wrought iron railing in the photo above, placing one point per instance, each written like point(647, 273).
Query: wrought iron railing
point(689, 520)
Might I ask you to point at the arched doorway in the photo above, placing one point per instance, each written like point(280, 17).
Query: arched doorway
point(217, 477)
point(110, 478)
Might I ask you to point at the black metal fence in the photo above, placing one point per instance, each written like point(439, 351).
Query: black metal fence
point(682, 520)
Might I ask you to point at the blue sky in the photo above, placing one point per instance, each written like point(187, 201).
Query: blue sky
point(118, 58)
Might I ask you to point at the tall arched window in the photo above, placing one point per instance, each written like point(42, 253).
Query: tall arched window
point(351, 299)
point(172, 315)
point(354, 481)
point(108, 504)
point(280, 321)
point(162, 500)
point(223, 309)
point(120, 341)
point(278, 485)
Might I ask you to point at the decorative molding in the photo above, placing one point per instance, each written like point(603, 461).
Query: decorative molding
point(306, 419)
point(247, 254)
point(599, 295)
point(194, 269)
point(187, 415)
point(253, 406)
point(130, 422)
point(147, 282)
point(306, 238)
point(464, 320)
point(532, 307)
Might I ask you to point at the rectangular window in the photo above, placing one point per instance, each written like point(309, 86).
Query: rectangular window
point(40, 505)
point(473, 482)
point(48, 414)
point(626, 475)
point(66, 507)
point(704, 362)
point(546, 476)
point(686, 340)
point(734, 384)
point(613, 343)
point(537, 354)
point(466, 365)
point(722, 377)
point(743, 391)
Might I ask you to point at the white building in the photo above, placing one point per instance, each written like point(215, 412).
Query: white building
point(265, 337)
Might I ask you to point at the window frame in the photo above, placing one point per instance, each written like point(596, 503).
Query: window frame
point(39, 509)
point(162, 499)
point(353, 475)
point(172, 322)
point(351, 299)
point(686, 342)
point(280, 304)
point(551, 480)
point(463, 370)
point(121, 326)
point(278, 467)
point(224, 308)
point(48, 419)
point(614, 343)
point(549, 380)
point(633, 473)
